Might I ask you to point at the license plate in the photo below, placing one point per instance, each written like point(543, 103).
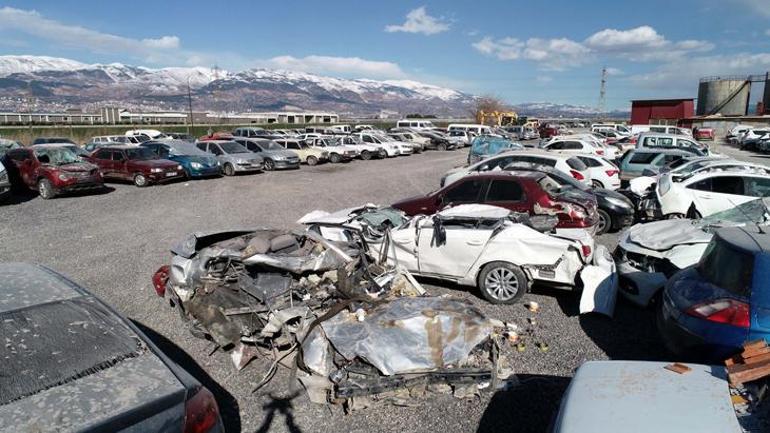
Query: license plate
point(171, 174)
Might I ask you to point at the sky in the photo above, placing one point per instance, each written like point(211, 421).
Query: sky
point(551, 51)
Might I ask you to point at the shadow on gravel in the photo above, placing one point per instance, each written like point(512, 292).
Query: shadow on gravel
point(530, 406)
point(283, 406)
point(19, 197)
point(228, 405)
point(629, 335)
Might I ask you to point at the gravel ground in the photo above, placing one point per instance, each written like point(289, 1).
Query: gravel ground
point(113, 242)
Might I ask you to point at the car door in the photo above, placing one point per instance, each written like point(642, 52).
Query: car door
point(507, 193)
point(454, 255)
point(756, 186)
point(102, 158)
point(24, 163)
point(118, 165)
point(718, 193)
point(468, 190)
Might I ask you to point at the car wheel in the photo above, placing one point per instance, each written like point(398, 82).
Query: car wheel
point(229, 170)
point(335, 158)
point(140, 180)
point(441, 146)
point(312, 160)
point(597, 184)
point(366, 155)
point(45, 189)
point(674, 216)
point(383, 154)
point(502, 283)
point(605, 222)
point(269, 165)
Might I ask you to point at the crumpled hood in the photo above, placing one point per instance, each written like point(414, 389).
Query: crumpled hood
point(666, 234)
point(77, 167)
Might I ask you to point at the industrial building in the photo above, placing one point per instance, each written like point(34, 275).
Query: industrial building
point(660, 111)
point(46, 118)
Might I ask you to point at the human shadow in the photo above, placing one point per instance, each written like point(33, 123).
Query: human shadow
point(282, 406)
point(228, 405)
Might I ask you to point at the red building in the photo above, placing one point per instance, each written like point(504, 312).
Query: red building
point(661, 111)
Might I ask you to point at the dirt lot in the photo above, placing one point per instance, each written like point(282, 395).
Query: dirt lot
point(113, 242)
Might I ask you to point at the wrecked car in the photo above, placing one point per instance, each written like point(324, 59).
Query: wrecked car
point(649, 254)
point(331, 308)
point(51, 170)
point(501, 252)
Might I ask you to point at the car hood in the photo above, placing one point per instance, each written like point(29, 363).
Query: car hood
point(602, 193)
point(246, 156)
point(77, 167)
point(666, 234)
point(282, 153)
point(209, 160)
point(608, 396)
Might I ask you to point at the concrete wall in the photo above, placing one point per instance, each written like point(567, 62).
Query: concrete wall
point(712, 94)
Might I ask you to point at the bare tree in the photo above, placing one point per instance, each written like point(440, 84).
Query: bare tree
point(488, 104)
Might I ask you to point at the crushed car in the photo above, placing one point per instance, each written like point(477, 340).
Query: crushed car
point(354, 328)
point(499, 251)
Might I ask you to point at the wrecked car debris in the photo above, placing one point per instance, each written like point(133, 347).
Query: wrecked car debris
point(353, 328)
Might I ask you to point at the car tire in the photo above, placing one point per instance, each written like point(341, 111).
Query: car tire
point(269, 165)
point(335, 158)
point(311, 160)
point(383, 154)
point(228, 169)
point(605, 222)
point(140, 180)
point(597, 184)
point(502, 283)
point(45, 189)
point(441, 147)
point(366, 155)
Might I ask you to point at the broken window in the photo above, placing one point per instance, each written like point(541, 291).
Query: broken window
point(505, 190)
point(465, 192)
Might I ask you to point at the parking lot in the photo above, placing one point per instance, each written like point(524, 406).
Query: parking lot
point(111, 243)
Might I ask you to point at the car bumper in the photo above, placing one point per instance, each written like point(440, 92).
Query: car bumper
point(205, 172)
point(243, 168)
point(286, 164)
point(165, 176)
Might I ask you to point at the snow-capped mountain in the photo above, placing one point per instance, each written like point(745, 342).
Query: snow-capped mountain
point(549, 109)
point(67, 82)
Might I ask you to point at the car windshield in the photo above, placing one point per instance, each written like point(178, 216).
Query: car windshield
point(457, 133)
point(187, 149)
point(232, 147)
point(271, 145)
point(726, 267)
point(6, 144)
point(140, 154)
point(755, 211)
point(57, 155)
point(492, 145)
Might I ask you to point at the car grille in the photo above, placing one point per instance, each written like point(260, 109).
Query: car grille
point(644, 263)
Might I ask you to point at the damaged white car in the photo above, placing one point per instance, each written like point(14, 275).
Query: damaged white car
point(648, 254)
point(500, 252)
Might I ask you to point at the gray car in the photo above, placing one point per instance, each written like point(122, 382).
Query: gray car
point(5, 184)
point(71, 363)
point(273, 154)
point(234, 157)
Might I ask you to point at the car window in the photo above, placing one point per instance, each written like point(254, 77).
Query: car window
point(642, 158)
point(214, 148)
point(496, 163)
point(727, 268)
point(573, 163)
point(757, 186)
point(201, 146)
point(727, 185)
point(102, 154)
point(589, 162)
point(558, 145)
point(117, 155)
point(464, 192)
point(573, 145)
point(686, 143)
point(505, 190)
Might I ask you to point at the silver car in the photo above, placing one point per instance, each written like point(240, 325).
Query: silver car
point(273, 154)
point(5, 184)
point(71, 363)
point(234, 157)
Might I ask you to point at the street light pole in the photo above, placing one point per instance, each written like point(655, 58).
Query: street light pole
point(191, 124)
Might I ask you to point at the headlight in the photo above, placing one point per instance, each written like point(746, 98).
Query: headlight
point(156, 170)
point(196, 165)
point(278, 157)
point(66, 177)
point(178, 167)
point(618, 202)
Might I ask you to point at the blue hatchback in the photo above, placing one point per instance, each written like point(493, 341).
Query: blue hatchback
point(712, 308)
point(195, 162)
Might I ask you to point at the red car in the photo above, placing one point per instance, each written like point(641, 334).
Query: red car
point(703, 133)
point(548, 131)
point(520, 191)
point(51, 169)
point(137, 164)
point(221, 135)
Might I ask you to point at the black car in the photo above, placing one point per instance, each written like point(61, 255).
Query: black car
point(71, 363)
point(615, 209)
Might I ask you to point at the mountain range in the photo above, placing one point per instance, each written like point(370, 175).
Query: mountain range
point(57, 84)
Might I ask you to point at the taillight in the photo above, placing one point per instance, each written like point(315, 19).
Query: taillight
point(599, 151)
point(577, 175)
point(586, 249)
point(201, 412)
point(159, 280)
point(727, 311)
point(611, 173)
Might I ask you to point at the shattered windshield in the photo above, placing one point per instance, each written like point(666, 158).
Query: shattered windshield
point(57, 155)
point(752, 212)
point(492, 145)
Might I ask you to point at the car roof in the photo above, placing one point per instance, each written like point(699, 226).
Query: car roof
point(709, 171)
point(44, 145)
point(665, 134)
point(120, 147)
point(535, 152)
point(748, 238)
point(661, 150)
point(534, 175)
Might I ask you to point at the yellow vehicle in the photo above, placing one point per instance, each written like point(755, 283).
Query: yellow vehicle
point(497, 118)
point(307, 154)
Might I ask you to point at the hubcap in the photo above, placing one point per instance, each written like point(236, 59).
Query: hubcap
point(43, 189)
point(140, 180)
point(602, 223)
point(502, 284)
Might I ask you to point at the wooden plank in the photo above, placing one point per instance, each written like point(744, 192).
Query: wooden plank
point(754, 344)
point(737, 368)
point(748, 353)
point(678, 367)
point(757, 359)
point(749, 374)
point(733, 360)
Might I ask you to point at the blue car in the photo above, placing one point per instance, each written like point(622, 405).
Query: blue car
point(195, 162)
point(710, 309)
point(485, 146)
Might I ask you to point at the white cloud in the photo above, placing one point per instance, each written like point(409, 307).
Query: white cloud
point(503, 49)
point(418, 21)
point(32, 23)
point(551, 54)
point(614, 71)
point(761, 7)
point(609, 40)
point(348, 66)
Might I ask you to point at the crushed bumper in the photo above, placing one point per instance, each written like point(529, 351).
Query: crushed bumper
point(600, 284)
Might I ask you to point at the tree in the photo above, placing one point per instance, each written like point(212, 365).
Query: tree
point(488, 104)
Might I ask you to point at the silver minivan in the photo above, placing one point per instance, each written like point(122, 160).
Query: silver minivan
point(671, 141)
point(234, 157)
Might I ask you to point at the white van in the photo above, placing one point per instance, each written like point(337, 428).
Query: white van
point(341, 129)
point(470, 127)
point(614, 126)
point(660, 129)
point(417, 124)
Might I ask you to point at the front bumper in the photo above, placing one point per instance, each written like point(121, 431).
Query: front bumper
point(242, 168)
point(205, 172)
point(165, 176)
point(287, 163)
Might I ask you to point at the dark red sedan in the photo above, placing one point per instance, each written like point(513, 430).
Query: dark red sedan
point(534, 193)
point(51, 169)
point(137, 164)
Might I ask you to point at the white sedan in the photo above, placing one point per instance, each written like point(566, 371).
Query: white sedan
point(604, 174)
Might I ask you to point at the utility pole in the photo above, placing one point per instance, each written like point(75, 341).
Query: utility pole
point(30, 103)
point(603, 92)
point(191, 124)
